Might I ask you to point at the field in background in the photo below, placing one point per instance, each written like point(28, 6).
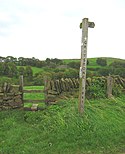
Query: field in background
point(92, 64)
point(35, 69)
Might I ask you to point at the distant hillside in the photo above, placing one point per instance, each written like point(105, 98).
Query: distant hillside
point(93, 60)
point(34, 70)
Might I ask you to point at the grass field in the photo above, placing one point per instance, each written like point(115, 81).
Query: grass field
point(92, 61)
point(35, 69)
point(66, 61)
point(61, 130)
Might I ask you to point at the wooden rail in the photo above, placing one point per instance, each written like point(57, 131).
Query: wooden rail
point(33, 101)
point(33, 91)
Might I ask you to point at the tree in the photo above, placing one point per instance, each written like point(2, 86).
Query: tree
point(21, 70)
point(101, 61)
point(12, 70)
point(71, 73)
point(48, 60)
point(28, 73)
point(10, 59)
point(57, 61)
point(5, 69)
point(2, 59)
point(118, 64)
point(104, 71)
point(74, 64)
point(21, 61)
point(120, 72)
point(38, 80)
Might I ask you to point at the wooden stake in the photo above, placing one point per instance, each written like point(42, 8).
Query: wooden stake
point(21, 83)
point(109, 86)
point(46, 90)
point(21, 86)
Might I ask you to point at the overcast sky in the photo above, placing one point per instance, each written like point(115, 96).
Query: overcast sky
point(50, 28)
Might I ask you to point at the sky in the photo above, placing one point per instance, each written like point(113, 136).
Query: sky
point(50, 28)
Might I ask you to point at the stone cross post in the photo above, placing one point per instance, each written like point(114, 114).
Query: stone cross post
point(82, 74)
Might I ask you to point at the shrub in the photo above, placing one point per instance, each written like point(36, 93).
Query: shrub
point(101, 61)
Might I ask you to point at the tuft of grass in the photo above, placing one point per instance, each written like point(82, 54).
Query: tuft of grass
point(61, 129)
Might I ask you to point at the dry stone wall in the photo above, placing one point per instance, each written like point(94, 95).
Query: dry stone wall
point(57, 87)
point(10, 97)
point(95, 87)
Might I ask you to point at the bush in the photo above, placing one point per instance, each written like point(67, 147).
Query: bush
point(74, 65)
point(97, 88)
point(101, 61)
point(118, 64)
point(104, 71)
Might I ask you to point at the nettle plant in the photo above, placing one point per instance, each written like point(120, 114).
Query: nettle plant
point(97, 89)
point(117, 90)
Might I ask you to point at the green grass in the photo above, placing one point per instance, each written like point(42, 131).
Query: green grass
point(33, 87)
point(35, 69)
point(66, 61)
point(61, 130)
point(93, 64)
point(92, 61)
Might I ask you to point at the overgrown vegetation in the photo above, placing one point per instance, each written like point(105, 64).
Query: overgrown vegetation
point(60, 129)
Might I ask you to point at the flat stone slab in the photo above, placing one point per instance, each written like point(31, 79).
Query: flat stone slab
point(34, 107)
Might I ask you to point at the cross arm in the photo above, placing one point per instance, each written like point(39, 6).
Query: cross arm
point(90, 25)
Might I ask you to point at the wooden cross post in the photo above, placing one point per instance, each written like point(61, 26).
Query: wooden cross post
point(82, 74)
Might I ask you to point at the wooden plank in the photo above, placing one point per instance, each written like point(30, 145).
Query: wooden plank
point(33, 91)
point(91, 24)
point(15, 86)
point(29, 108)
point(33, 101)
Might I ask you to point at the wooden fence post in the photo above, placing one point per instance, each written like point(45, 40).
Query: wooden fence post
point(46, 89)
point(109, 86)
point(21, 86)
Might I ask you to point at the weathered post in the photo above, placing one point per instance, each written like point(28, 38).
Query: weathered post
point(46, 90)
point(21, 86)
point(82, 74)
point(109, 86)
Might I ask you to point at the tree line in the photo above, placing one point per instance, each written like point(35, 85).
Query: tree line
point(21, 61)
point(114, 68)
point(56, 68)
point(11, 70)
